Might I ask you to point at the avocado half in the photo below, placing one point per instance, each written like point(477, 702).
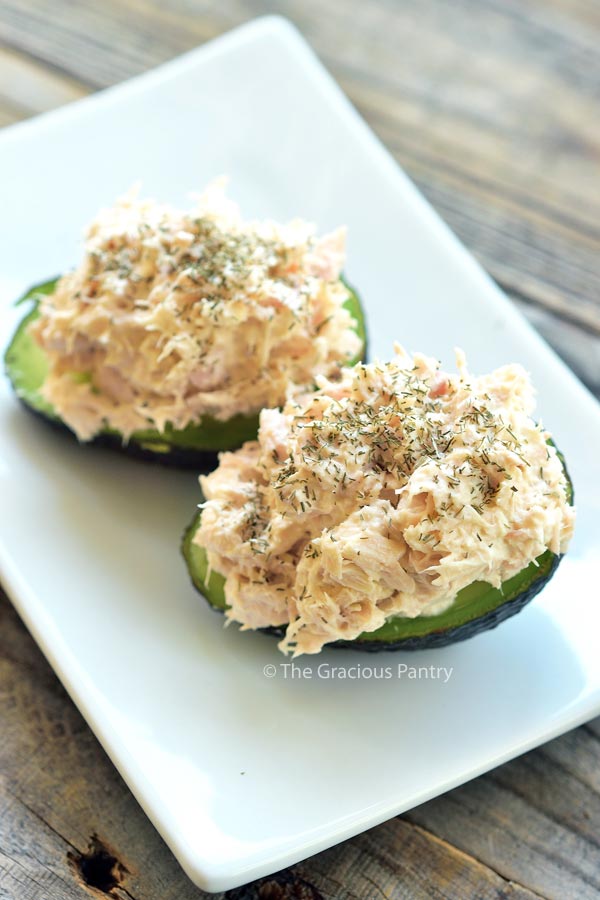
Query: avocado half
point(478, 607)
point(194, 446)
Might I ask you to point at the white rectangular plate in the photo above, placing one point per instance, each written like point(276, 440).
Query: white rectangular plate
point(240, 773)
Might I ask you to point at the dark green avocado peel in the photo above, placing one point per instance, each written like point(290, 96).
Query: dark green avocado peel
point(195, 446)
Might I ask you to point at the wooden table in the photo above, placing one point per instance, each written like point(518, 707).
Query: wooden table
point(493, 109)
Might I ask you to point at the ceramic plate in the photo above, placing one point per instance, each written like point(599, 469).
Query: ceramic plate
point(244, 772)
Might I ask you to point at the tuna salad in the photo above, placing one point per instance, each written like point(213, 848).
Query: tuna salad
point(174, 315)
point(383, 493)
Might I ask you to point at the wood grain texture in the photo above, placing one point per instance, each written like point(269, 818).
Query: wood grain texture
point(492, 108)
point(28, 87)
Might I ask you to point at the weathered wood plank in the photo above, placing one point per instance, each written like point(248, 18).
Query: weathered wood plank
point(593, 728)
point(400, 862)
point(10, 114)
point(33, 859)
point(32, 87)
point(531, 253)
point(537, 818)
point(102, 45)
point(579, 347)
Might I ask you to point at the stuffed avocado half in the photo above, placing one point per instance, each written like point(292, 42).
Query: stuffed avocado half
point(196, 445)
point(476, 608)
point(179, 326)
point(400, 507)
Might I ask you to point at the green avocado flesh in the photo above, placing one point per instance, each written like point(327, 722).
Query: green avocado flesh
point(27, 367)
point(477, 603)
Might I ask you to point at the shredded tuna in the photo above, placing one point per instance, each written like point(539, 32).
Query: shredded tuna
point(173, 315)
point(383, 494)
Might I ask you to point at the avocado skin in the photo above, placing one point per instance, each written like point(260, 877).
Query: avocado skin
point(451, 635)
point(201, 461)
